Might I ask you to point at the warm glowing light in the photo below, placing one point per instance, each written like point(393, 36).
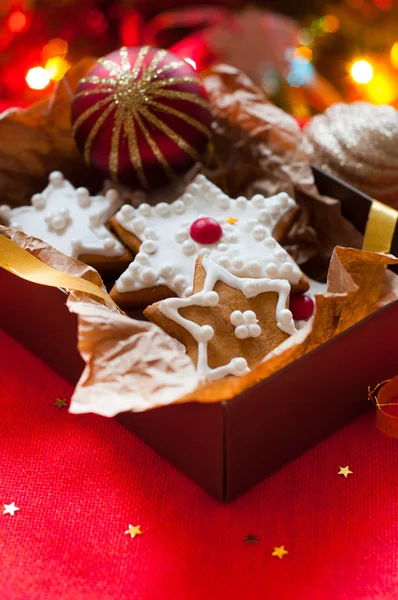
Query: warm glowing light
point(394, 55)
point(37, 78)
point(383, 4)
point(381, 90)
point(17, 21)
point(55, 47)
point(305, 37)
point(191, 62)
point(304, 52)
point(362, 71)
point(330, 23)
point(56, 67)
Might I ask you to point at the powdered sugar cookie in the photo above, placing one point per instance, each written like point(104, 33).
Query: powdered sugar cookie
point(72, 221)
point(229, 323)
point(240, 235)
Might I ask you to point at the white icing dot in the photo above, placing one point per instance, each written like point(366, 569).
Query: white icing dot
point(112, 196)
point(237, 262)
point(127, 278)
point(83, 197)
point(147, 275)
point(254, 330)
point(163, 209)
point(180, 282)
point(236, 318)
point(281, 254)
point(222, 247)
point(212, 298)
point(95, 219)
point(109, 243)
point(138, 225)
point(239, 365)
point(58, 222)
point(167, 271)
point(232, 238)
point(204, 251)
point(188, 247)
point(179, 207)
point(271, 270)
point(287, 269)
point(250, 289)
point(149, 247)
point(144, 210)
point(206, 333)
point(223, 202)
point(250, 316)
point(150, 233)
point(283, 199)
point(242, 332)
point(201, 179)
point(241, 202)
point(5, 212)
point(223, 261)
point(188, 291)
point(38, 201)
point(275, 208)
point(142, 258)
point(285, 316)
point(259, 233)
point(264, 216)
point(56, 178)
point(64, 212)
point(134, 267)
point(127, 212)
point(254, 267)
point(192, 188)
point(187, 199)
point(181, 235)
point(270, 242)
point(258, 201)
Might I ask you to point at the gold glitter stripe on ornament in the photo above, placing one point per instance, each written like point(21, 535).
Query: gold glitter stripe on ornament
point(92, 92)
point(124, 59)
point(182, 96)
point(98, 80)
point(138, 63)
point(94, 131)
point(380, 228)
point(177, 139)
point(134, 152)
point(111, 66)
point(172, 65)
point(173, 81)
point(114, 154)
point(177, 113)
point(159, 56)
point(89, 111)
point(155, 149)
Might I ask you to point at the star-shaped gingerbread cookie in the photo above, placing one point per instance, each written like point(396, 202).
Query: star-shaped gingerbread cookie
point(230, 323)
point(240, 235)
point(73, 222)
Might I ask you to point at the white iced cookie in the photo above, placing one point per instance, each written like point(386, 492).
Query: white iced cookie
point(237, 339)
point(236, 234)
point(68, 219)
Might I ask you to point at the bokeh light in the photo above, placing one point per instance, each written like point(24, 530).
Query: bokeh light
point(394, 55)
point(361, 71)
point(56, 67)
point(17, 21)
point(37, 78)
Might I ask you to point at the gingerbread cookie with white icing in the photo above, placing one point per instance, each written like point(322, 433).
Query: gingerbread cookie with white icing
point(241, 235)
point(230, 323)
point(73, 222)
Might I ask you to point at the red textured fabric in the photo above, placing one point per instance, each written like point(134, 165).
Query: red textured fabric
point(79, 481)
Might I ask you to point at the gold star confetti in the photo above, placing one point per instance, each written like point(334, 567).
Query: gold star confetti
point(251, 539)
point(279, 551)
point(134, 530)
point(10, 509)
point(60, 403)
point(232, 220)
point(344, 471)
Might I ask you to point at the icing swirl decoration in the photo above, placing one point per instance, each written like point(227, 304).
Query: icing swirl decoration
point(141, 116)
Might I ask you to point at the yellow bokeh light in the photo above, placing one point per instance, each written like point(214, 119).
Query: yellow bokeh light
point(381, 90)
point(394, 55)
point(56, 67)
point(330, 23)
point(362, 71)
point(55, 47)
point(37, 78)
point(304, 52)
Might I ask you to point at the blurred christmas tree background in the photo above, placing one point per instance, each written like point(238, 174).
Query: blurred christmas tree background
point(315, 54)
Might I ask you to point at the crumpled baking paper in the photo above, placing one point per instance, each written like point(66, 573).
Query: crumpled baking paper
point(134, 365)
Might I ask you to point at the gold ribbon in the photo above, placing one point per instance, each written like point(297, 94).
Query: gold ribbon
point(18, 261)
point(383, 396)
point(380, 228)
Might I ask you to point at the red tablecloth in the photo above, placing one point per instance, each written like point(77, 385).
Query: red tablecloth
point(80, 481)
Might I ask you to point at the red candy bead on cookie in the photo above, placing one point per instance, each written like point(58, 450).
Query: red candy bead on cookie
point(205, 231)
point(141, 116)
point(301, 307)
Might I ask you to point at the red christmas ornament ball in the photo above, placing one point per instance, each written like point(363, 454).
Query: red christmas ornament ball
point(302, 307)
point(141, 116)
point(205, 231)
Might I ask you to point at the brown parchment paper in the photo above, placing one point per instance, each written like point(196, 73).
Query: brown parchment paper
point(134, 365)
